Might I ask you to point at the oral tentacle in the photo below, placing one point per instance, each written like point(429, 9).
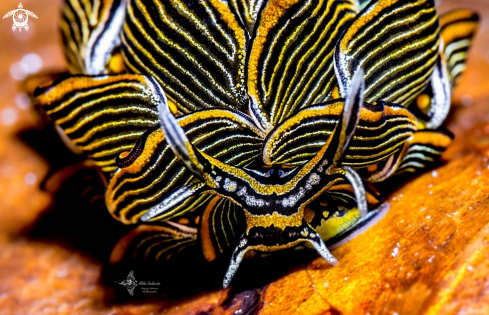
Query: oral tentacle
point(311, 236)
point(294, 236)
point(440, 102)
point(343, 133)
point(175, 135)
point(358, 189)
point(236, 259)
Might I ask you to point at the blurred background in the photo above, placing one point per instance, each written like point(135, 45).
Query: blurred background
point(53, 275)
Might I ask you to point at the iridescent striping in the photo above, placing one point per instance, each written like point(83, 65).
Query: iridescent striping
point(424, 151)
point(103, 116)
point(379, 134)
point(199, 64)
point(154, 242)
point(342, 191)
point(78, 19)
point(247, 11)
point(226, 224)
point(458, 29)
point(158, 173)
point(419, 157)
point(291, 66)
point(89, 30)
point(398, 63)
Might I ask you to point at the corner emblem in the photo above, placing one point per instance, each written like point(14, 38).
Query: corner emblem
point(130, 283)
point(20, 17)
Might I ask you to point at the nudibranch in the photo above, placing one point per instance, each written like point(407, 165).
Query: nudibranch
point(254, 126)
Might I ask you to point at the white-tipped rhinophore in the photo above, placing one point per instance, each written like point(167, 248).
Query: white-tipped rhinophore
point(174, 133)
point(236, 259)
point(358, 189)
point(318, 244)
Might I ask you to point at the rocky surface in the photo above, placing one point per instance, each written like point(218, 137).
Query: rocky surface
point(428, 255)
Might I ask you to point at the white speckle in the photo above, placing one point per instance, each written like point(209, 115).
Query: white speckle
point(30, 178)
point(254, 202)
point(326, 284)
point(428, 217)
point(467, 100)
point(434, 173)
point(395, 252)
point(241, 192)
point(430, 185)
point(485, 160)
point(271, 303)
point(409, 274)
point(395, 313)
point(8, 116)
point(430, 260)
point(479, 173)
point(431, 193)
point(230, 185)
point(22, 101)
point(243, 242)
point(470, 208)
point(314, 179)
point(470, 268)
point(346, 278)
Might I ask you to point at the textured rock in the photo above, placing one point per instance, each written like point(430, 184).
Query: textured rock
point(428, 255)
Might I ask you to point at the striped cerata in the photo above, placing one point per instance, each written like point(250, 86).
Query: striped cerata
point(241, 127)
